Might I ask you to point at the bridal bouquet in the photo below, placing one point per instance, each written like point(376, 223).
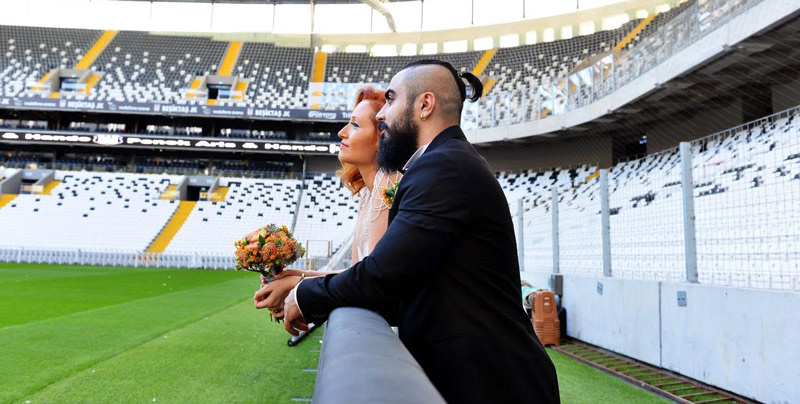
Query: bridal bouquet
point(268, 251)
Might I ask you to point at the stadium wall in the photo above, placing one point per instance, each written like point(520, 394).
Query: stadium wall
point(12, 181)
point(669, 134)
point(555, 153)
point(740, 340)
point(322, 164)
point(509, 157)
point(786, 95)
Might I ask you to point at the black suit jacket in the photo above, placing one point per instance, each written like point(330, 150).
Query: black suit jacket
point(448, 266)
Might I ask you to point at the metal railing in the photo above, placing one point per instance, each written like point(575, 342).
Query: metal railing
point(363, 361)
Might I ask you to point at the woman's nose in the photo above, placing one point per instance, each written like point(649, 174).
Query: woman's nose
point(342, 133)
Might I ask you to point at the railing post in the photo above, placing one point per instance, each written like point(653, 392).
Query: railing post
point(605, 222)
point(613, 73)
point(520, 235)
point(494, 111)
point(689, 235)
point(554, 212)
point(508, 109)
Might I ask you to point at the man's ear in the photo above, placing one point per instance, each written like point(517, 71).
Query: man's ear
point(428, 104)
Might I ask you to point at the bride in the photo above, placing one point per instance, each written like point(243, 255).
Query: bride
point(359, 174)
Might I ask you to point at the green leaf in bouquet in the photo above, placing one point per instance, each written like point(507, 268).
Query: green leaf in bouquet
point(279, 242)
point(261, 241)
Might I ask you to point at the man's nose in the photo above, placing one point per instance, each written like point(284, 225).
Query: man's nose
point(381, 116)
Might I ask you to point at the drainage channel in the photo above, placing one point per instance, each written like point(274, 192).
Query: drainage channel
point(674, 387)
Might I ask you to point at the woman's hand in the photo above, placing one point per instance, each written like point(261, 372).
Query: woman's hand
point(272, 295)
point(290, 272)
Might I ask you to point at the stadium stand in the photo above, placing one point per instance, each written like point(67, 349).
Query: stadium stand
point(28, 53)
point(99, 163)
point(534, 187)
point(143, 67)
point(745, 182)
point(657, 41)
point(248, 204)
point(90, 212)
point(327, 213)
point(152, 165)
point(363, 68)
point(278, 77)
point(657, 22)
point(22, 124)
point(252, 134)
point(523, 67)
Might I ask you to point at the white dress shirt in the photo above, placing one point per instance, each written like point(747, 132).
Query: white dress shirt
point(417, 154)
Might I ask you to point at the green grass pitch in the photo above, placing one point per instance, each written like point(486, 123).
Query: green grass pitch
point(79, 334)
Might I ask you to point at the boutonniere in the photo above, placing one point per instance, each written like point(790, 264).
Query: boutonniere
point(389, 193)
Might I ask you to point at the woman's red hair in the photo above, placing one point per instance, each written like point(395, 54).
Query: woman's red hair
point(351, 177)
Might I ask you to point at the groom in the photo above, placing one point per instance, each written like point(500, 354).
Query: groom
point(447, 266)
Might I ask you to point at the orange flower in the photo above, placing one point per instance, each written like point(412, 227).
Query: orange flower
point(267, 249)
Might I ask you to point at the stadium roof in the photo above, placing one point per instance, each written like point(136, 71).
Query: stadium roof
point(375, 4)
point(272, 1)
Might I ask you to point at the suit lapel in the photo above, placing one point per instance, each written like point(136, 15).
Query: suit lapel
point(453, 132)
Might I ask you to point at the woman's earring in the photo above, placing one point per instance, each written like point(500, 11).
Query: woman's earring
point(422, 116)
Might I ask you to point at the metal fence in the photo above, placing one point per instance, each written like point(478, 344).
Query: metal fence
point(747, 204)
point(341, 259)
point(116, 258)
point(137, 259)
point(720, 210)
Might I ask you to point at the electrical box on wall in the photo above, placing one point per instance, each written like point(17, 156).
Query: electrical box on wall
point(681, 298)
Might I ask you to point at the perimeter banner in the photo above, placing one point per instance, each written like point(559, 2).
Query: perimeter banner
point(132, 141)
point(174, 109)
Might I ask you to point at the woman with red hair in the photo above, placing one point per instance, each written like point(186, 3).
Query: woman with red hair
point(360, 174)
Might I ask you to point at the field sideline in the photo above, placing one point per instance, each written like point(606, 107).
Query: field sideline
point(98, 334)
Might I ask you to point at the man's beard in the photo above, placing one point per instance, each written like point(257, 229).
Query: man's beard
point(398, 143)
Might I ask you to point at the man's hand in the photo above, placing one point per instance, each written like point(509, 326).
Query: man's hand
point(271, 295)
point(293, 321)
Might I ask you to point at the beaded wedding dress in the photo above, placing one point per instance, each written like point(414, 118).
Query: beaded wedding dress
point(370, 206)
